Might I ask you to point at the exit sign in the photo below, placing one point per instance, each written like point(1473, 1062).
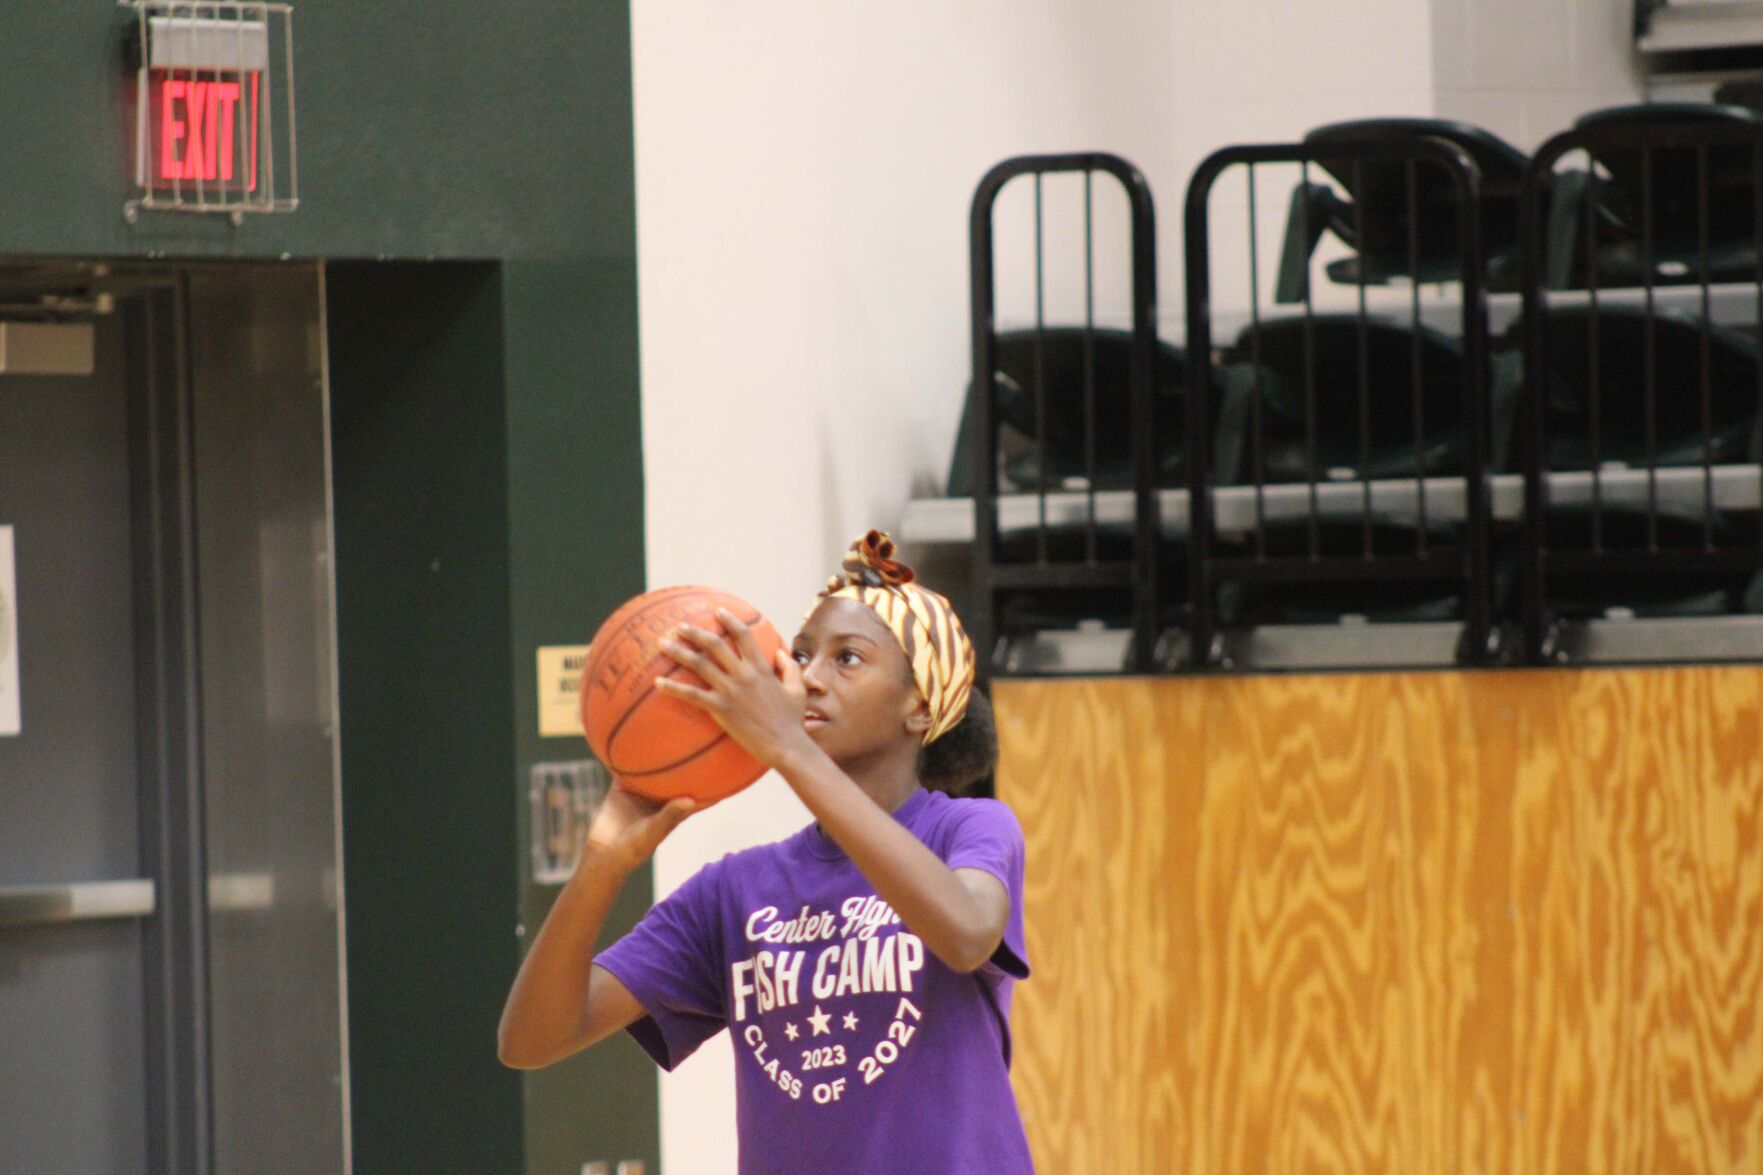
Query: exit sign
point(213, 108)
point(205, 130)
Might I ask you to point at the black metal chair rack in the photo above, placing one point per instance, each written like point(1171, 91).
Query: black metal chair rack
point(1641, 420)
point(1333, 530)
point(1044, 566)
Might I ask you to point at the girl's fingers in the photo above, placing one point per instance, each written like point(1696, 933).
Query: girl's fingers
point(710, 645)
point(744, 642)
point(790, 674)
point(788, 671)
point(658, 826)
point(705, 666)
point(702, 698)
point(675, 812)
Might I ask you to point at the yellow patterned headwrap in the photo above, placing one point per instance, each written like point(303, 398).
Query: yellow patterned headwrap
point(924, 623)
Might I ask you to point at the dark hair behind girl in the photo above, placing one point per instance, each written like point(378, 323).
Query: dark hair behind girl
point(966, 754)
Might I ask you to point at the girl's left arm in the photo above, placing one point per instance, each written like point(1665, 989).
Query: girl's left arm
point(959, 913)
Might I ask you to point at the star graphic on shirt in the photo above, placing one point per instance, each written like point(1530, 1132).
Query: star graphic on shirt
point(851, 1021)
point(791, 1032)
point(820, 1020)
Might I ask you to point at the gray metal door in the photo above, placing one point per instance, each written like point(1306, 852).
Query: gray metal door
point(171, 990)
point(73, 1067)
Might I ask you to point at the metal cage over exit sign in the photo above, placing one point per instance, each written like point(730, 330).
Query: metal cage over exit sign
point(214, 108)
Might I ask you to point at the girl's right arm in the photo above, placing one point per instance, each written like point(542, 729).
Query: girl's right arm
point(561, 1001)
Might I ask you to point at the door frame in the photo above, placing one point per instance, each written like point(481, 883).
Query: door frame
point(167, 688)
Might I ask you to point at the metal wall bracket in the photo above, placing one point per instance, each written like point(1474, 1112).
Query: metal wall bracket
point(562, 798)
point(84, 901)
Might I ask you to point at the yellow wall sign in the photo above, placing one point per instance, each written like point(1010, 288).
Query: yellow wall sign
point(560, 689)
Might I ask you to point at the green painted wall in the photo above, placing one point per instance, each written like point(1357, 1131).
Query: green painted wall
point(427, 128)
point(466, 170)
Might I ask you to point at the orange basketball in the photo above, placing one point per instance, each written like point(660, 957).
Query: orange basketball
point(658, 746)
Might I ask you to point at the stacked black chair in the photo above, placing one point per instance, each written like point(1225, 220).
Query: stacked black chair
point(1078, 436)
point(1662, 203)
point(1387, 401)
point(1413, 380)
point(1628, 399)
point(1371, 211)
point(1085, 442)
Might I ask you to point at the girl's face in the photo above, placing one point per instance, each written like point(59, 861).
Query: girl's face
point(861, 697)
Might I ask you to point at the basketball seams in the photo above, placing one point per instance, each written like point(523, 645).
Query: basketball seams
point(597, 650)
point(628, 630)
point(729, 788)
point(638, 702)
point(604, 642)
point(675, 765)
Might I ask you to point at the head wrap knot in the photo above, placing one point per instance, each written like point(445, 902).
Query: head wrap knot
point(924, 622)
point(870, 563)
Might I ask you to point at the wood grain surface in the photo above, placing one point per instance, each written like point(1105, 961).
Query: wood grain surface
point(1491, 922)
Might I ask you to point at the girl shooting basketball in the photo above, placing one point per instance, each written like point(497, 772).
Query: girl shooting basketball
point(863, 966)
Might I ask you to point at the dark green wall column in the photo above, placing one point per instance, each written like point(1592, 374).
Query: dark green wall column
point(576, 532)
point(488, 480)
point(426, 701)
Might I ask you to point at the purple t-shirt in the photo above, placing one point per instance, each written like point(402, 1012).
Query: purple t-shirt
point(856, 1050)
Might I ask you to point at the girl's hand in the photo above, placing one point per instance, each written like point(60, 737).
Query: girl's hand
point(759, 704)
point(628, 827)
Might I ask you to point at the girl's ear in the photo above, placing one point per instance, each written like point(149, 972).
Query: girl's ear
point(918, 718)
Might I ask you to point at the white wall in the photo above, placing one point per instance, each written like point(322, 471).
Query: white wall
point(1525, 69)
point(1267, 71)
point(803, 176)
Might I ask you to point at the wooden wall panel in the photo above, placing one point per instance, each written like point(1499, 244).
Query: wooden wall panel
point(1504, 922)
